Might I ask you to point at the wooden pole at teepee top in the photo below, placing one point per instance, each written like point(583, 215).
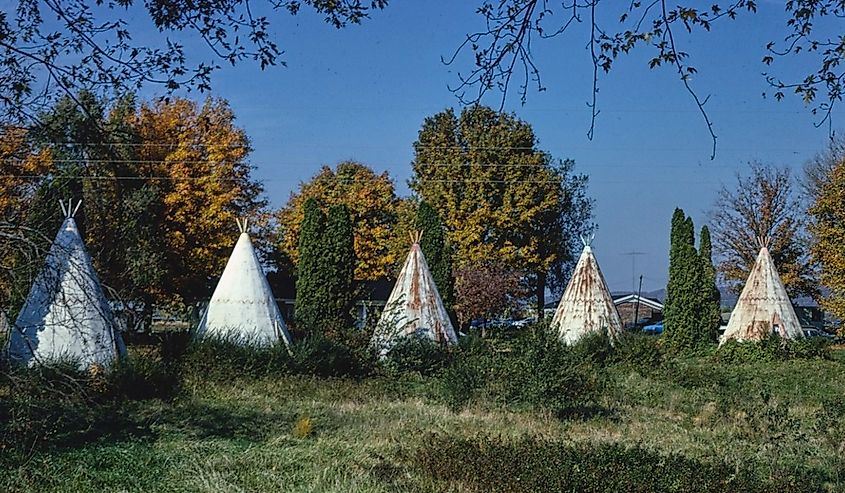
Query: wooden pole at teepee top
point(78, 204)
point(416, 236)
point(69, 210)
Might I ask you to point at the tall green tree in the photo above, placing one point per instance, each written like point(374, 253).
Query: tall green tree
point(436, 250)
point(672, 286)
point(372, 204)
point(683, 307)
point(709, 296)
point(339, 265)
point(500, 197)
point(310, 279)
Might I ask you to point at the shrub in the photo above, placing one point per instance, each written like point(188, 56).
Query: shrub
point(640, 350)
point(536, 371)
point(809, 348)
point(460, 381)
point(486, 463)
point(417, 355)
point(221, 358)
point(772, 348)
point(595, 348)
point(56, 404)
point(549, 375)
point(142, 377)
point(317, 355)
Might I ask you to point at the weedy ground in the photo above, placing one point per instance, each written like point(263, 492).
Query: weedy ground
point(742, 426)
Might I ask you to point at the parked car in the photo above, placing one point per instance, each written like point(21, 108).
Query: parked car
point(813, 332)
point(522, 323)
point(654, 328)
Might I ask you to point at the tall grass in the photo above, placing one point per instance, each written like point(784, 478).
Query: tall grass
point(328, 416)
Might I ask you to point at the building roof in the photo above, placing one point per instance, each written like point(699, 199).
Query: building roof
point(633, 297)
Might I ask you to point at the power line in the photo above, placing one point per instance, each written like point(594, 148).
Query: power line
point(121, 178)
point(583, 167)
point(265, 180)
point(143, 144)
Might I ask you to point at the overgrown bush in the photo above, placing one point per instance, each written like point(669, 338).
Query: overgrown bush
point(317, 355)
point(772, 348)
point(56, 404)
point(536, 371)
point(416, 355)
point(141, 377)
point(221, 358)
point(641, 351)
point(493, 464)
point(467, 373)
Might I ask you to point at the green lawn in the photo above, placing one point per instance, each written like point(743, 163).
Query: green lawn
point(367, 434)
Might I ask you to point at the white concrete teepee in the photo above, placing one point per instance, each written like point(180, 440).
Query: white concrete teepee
point(242, 307)
point(414, 306)
point(763, 307)
point(586, 305)
point(66, 315)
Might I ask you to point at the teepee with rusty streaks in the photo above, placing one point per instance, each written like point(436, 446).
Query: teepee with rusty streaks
point(414, 307)
point(763, 308)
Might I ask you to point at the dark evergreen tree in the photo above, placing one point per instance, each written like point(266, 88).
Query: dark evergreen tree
point(685, 272)
point(339, 267)
point(436, 251)
point(711, 314)
point(674, 268)
point(311, 279)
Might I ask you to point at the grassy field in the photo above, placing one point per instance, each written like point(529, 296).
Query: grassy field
point(778, 422)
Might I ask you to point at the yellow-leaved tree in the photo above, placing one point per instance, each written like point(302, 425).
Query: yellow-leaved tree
point(502, 199)
point(828, 229)
point(372, 203)
point(161, 182)
point(196, 157)
point(21, 170)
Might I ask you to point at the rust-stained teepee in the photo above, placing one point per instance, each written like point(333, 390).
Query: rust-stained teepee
point(414, 306)
point(763, 308)
point(586, 305)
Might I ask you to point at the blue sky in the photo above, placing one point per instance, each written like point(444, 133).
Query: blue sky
point(362, 93)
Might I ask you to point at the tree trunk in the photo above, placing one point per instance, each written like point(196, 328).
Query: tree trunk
point(541, 296)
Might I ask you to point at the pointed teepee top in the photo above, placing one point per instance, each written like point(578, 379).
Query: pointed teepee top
point(763, 242)
point(243, 224)
point(587, 239)
point(69, 210)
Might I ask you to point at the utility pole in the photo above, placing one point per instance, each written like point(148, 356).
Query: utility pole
point(637, 305)
point(634, 254)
